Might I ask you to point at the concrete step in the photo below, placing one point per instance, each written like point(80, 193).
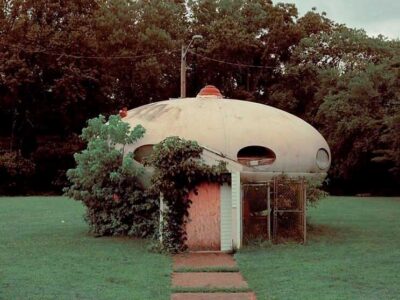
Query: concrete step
point(209, 280)
point(203, 260)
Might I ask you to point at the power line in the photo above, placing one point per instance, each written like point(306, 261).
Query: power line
point(91, 57)
point(133, 57)
point(117, 57)
point(229, 63)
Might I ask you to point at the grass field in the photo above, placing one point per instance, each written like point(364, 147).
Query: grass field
point(353, 252)
point(46, 253)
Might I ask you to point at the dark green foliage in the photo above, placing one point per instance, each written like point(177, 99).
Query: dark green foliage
point(178, 171)
point(63, 62)
point(365, 108)
point(247, 32)
point(315, 193)
point(15, 172)
point(346, 84)
point(49, 89)
point(106, 180)
point(53, 157)
point(314, 188)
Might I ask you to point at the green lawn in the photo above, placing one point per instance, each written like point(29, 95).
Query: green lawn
point(353, 252)
point(46, 253)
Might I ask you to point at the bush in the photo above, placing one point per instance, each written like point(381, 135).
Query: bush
point(15, 172)
point(106, 180)
point(53, 157)
point(315, 193)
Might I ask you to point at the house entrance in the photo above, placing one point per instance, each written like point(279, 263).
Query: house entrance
point(203, 228)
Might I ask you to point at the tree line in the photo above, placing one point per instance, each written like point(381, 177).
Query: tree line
point(63, 62)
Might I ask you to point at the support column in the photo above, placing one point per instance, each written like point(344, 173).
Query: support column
point(160, 228)
point(237, 204)
point(226, 217)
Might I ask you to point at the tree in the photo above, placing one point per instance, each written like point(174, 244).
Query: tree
point(359, 117)
point(144, 28)
point(41, 86)
point(241, 32)
point(344, 83)
point(64, 62)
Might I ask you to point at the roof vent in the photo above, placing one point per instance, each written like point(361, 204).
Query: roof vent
point(209, 91)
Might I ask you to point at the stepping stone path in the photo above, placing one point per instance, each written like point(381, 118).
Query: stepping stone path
point(208, 276)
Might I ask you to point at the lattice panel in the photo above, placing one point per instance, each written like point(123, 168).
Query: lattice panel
point(288, 210)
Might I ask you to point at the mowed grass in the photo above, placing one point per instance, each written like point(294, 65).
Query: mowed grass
point(46, 253)
point(353, 252)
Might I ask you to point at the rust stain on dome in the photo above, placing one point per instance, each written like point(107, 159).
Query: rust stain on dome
point(152, 111)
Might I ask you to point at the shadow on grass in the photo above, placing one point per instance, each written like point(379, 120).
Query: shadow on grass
point(333, 234)
point(315, 233)
point(321, 230)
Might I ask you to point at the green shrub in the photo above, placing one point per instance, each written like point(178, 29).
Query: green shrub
point(106, 180)
point(315, 193)
point(53, 157)
point(15, 172)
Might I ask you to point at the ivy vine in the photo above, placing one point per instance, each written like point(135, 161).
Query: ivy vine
point(179, 169)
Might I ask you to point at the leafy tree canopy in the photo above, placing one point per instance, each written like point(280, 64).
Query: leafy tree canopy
point(63, 62)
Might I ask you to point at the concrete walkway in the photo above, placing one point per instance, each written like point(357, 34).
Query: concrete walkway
point(208, 276)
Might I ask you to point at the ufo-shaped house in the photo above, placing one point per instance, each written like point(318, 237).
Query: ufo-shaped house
point(257, 141)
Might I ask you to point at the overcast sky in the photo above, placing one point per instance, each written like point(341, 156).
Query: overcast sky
point(375, 16)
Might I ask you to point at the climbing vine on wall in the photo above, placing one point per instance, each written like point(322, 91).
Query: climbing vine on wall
point(178, 170)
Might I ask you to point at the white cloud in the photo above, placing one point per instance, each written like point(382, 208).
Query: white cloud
point(390, 28)
point(376, 17)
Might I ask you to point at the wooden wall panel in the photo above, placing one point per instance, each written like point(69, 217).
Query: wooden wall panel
point(203, 228)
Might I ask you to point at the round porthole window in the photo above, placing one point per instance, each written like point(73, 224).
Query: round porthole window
point(322, 158)
point(253, 156)
point(143, 152)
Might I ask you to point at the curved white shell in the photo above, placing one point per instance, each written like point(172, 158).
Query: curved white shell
point(227, 125)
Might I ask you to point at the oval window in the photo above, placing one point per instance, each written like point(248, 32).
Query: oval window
point(142, 152)
point(322, 158)
point(256, 156)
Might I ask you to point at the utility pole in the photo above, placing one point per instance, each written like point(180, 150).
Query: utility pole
point(183, 72)
point(184, 51)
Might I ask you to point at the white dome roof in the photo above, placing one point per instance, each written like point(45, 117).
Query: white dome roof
point(227, 126)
